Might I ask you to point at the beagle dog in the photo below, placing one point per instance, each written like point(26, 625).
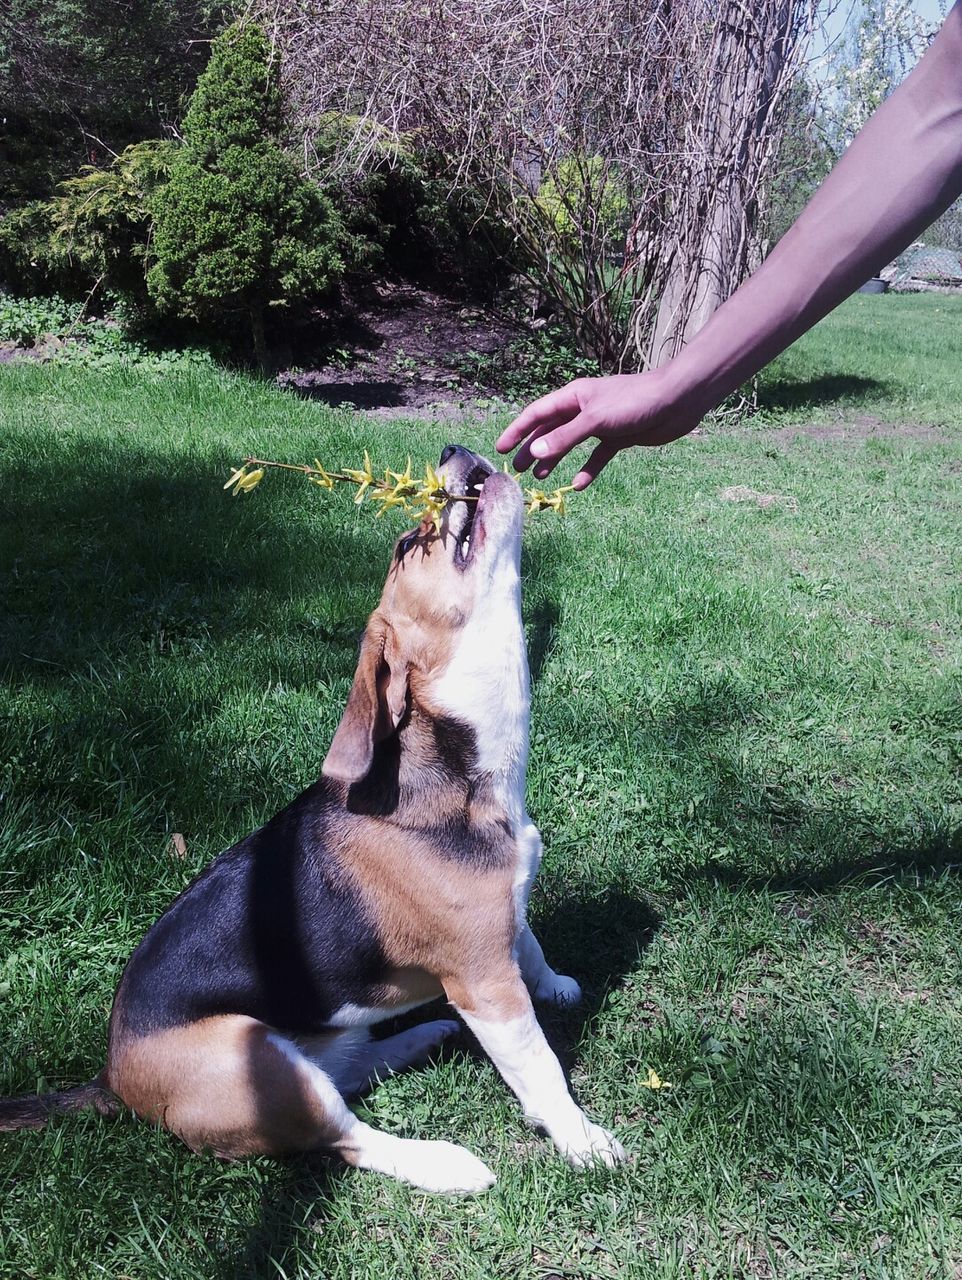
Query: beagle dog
point(242, 1020)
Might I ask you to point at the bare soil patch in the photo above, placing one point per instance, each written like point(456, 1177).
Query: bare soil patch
point(864, 427)
point(741, 493)
point(402, 348)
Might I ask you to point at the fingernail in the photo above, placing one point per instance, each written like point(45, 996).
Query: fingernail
point(539, 448)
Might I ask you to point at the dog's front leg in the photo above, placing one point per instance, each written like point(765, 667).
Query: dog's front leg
point(541, 980)
point(502, 1018)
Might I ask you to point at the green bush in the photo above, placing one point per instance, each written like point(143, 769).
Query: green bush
point(80, 79)
point(25, 320)
point(94, 231)
point(584, 191)
point(58, 331)
point(237, 229)
point(401, 209)
point(531, 366)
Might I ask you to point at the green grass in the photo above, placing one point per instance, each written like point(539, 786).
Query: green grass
point(898, 358)
point(747, 736)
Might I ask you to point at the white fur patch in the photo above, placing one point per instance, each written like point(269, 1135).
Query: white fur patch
point(524, 1058)
point(487, 686)
point(432, 1166)
point(359, 1015)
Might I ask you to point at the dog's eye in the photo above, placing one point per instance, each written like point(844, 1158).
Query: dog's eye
point(405, 545)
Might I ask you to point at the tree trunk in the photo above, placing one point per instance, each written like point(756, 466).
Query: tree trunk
point(730, 142)
point(261, 355)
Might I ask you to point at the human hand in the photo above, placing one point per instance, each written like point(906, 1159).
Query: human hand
point(620, 410)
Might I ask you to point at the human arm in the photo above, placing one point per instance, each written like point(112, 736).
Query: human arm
point(902, 170)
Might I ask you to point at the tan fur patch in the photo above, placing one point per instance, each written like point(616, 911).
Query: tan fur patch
point(223, 1085)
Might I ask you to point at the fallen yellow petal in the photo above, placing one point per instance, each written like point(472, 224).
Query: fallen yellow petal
point(655, 1081)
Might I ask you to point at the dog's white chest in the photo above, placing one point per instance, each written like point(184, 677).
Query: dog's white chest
point(487, 687)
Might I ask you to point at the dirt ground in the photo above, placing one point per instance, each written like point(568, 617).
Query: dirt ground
point(861, 427)
point(402, 349)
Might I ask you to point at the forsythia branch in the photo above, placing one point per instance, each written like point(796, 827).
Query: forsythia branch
point(421, 497)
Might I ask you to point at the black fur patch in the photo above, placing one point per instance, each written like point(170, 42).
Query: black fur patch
point(273, 929)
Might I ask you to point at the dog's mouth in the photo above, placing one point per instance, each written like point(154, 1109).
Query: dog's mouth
point(472, 531)
point(464, 510)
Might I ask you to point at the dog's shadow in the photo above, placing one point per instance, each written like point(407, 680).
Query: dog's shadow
point(598, 938)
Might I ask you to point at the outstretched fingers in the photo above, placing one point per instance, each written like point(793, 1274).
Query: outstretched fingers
point(597, 461)
point(547, 447)
point(541, 416)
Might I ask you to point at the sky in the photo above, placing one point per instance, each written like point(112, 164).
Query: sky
point(931, 10)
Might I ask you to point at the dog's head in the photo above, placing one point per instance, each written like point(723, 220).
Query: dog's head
point(444, 587)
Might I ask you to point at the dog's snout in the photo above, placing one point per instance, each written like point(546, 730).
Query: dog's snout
point(448, 451)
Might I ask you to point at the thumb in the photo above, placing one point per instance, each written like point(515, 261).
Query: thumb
point(553, 445)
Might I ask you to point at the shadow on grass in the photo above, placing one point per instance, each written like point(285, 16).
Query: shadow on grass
point(359, 394)
point(292, 1202)
point(140, 601)
point(539, 603)
point(103, 553)
point(891, 864)
point(809, 393)
point(599, 939)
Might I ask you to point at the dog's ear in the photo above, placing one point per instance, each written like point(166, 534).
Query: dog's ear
point(375, 706)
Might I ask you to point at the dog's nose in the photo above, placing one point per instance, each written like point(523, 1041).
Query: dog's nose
point(448, 451)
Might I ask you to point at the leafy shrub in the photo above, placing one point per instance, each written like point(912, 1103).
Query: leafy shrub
point(102, 217)
point(25, 320)
point(532, 366)
point(30, 261)
point(56, 330)
point(95, 230)
point(73, 72)
point(237, 228)
point(401, 210)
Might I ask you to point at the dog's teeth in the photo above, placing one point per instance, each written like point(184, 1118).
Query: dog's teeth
point(478, 486)
point(467, 542)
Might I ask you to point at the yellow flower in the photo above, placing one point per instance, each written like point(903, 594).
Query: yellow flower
point(250, 481)
point(403, 479)
point(363, 478)
point(431, 483)
point(538, 500)
point(389, 498)
point(557, 499)
point(426, 497)
point(322, 478)
point(242, 480)
point(236, 476)
point(655, 1081)
point(429, 508)
point(430, 500)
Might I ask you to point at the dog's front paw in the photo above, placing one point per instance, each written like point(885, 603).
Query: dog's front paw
point(593, 1145)
point(449, 1169)
point(555, 988)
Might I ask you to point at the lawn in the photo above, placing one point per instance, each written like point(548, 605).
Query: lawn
point(746, 748)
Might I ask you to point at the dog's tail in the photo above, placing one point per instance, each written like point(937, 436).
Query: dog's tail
point(33, 1110)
